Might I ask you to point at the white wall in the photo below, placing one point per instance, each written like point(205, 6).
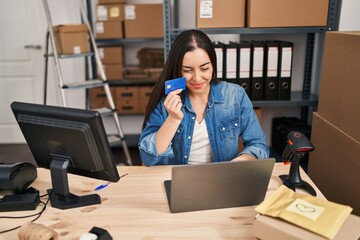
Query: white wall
point(350, 17)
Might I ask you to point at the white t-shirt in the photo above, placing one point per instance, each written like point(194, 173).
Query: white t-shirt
point(200, 151)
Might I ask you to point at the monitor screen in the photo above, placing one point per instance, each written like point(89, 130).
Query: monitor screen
point(67, 140)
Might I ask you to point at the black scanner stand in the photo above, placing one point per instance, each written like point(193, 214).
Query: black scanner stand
point(16, 178)
point(297, 146)
point(20, 202)
point(293, 180)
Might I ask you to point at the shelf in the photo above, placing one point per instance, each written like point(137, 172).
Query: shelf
point(297, 99)
point(287, 30)
point(131, 82)
point(117, 41)
point(88, 54)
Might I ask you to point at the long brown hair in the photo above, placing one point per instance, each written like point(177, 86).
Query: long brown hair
point(186, 41)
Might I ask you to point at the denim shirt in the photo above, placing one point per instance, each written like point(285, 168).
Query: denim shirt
point(229, 116)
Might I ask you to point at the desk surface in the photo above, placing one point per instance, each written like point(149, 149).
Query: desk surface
point(136, 208)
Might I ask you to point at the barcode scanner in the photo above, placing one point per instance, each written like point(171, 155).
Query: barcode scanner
point(297, 146)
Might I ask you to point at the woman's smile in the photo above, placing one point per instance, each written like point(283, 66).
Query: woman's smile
point(197, 85)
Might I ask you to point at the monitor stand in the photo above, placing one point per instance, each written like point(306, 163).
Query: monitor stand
point(60, 196)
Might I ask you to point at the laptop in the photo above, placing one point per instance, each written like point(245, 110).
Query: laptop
point(218, 185)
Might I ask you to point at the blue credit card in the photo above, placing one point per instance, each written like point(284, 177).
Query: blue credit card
point(173, 84)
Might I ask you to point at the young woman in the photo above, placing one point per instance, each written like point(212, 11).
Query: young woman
point(203, 123)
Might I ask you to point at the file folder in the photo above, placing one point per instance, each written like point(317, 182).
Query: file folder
point(219, 50)
point(244, 52)
point(285, 69)
point(271, 70)
point(231, 62)
point(257, 70)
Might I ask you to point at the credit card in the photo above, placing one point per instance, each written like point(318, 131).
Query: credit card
point(173, 84)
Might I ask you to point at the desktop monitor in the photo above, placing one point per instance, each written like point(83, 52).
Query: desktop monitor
point(67, 140)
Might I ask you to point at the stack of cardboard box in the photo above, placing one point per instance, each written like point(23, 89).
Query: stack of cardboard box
point(98, 97)
point(110, 18)
point(112, 60)
point(151, 63)
point(116, 19)
point(151, 60)
point(109, 24)
point(261, 13)
point(334, 166)
point(151, 57)
point(132, 99)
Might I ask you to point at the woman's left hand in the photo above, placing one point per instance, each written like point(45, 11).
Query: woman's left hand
point(173, 105)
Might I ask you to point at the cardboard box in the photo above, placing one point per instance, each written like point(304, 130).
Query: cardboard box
point(111, 55)
point(287, 13)
point(334, 165)
point(144, 21)
point(114, 71)
point(144, 93)
point(109, 29)
point(98, 97)
point(220, 13)
point(340, 86)
point(268, 228)
point(134, 72)
point(151, 57)
point(153, 73)
point(107, 12)
point(127, 100)
point(71, 39)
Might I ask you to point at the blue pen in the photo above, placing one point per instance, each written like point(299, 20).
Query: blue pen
point(102, 186)
point(106, 184)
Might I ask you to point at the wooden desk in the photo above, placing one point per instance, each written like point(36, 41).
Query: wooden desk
point(136, 208)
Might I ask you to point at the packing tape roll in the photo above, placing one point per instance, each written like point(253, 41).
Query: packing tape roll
point(88, 236)
point(34, 231)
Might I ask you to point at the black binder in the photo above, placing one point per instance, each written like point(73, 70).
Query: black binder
point(220, 59)
point(231, 62)
point(244, 66)
point(271, 70)
point(285, 69)
point(257, 70)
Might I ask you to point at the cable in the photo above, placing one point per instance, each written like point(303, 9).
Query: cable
point(39, 214)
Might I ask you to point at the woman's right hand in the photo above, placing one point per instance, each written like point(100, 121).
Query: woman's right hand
point(173, 104)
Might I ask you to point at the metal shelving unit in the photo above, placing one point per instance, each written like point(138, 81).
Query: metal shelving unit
point(303, 98)
point(132, 138)
point(119, 42)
